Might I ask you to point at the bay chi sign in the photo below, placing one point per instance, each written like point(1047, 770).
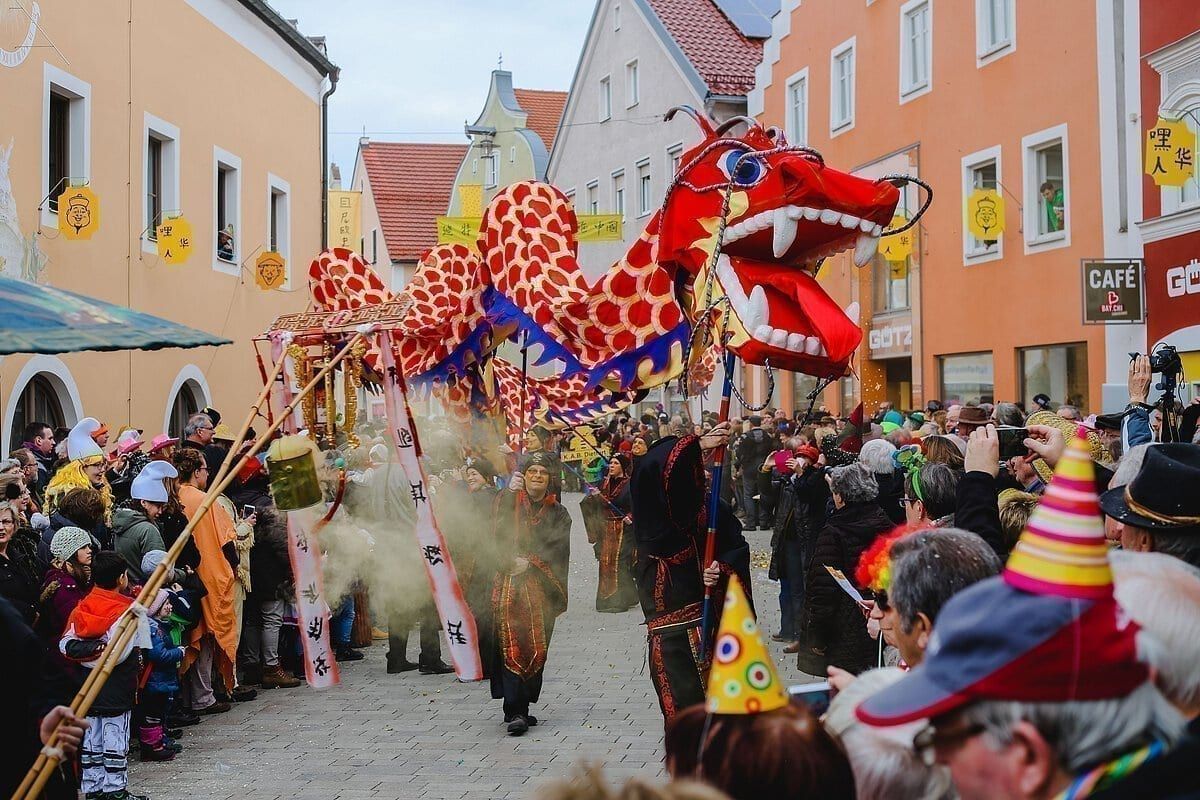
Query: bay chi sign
point(1113, 291)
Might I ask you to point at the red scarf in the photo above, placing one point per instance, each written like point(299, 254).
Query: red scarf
point(97, 612)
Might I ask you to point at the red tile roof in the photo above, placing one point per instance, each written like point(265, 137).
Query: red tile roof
point(724, 57)
point(545, 109)
point(411, 184)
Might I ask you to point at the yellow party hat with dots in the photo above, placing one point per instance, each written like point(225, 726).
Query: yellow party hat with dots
point(742, 679)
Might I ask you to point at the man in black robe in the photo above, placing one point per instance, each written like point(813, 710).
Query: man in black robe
point(533, 545)
point(670, 498)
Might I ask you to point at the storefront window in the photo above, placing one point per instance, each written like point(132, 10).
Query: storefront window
point(1060, 371)
point(849, 395)
point(802, 387)
point(891, 284)
point(967, 378)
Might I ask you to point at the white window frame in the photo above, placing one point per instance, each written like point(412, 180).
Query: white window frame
point(593, 197)
point(1029, 146)
point(633, 90)
point(985, 52)
point(969, 164)
point(620, 195)
point(606, 98)
point(1171, 63)
point(616, 16)
point(796, 129)
point(224, 158)
point(79, 93)
point(913, 90)
point(277, 185)
point(645, 190)
point(168, 135)
point(674, 153)
point(491, 170)
point(840, 126)
point(1184, 96)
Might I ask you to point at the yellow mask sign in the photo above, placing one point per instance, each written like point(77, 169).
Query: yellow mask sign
point(899, 246)
point(985, 214)
point(345, 220)
point(458, 230)
point(270, 271)
point(78, 213)
point(599, 228)
point(175, 240)
point(1170, 152)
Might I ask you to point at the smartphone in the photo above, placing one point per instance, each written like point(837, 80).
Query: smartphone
point(247, 512)
point(814, 695)
point(1012, 441)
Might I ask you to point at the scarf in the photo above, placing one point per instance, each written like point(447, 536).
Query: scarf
point(1104, 775)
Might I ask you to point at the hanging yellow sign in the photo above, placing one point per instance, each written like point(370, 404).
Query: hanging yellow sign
point(458, 230)
point(78, 213)
point(985, 214)
point(582, 446)
point(470, 200)
point(897, 247)
point(345, 220)
point(270, 270)
point(175, 241)
point(599, 228)
point(1170, 152)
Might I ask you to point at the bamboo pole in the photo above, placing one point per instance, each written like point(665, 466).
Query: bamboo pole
point(35, 780)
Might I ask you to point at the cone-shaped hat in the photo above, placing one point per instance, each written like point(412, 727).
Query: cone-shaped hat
point(743, 679)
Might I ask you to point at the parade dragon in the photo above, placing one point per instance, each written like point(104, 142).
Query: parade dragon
point(729, 260)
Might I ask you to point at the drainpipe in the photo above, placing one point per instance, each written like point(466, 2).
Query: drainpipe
point(333, 81)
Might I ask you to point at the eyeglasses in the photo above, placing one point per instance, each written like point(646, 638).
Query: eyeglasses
point(881, 600)
point(929, 740)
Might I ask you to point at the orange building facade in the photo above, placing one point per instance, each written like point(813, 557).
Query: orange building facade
point(970, 94)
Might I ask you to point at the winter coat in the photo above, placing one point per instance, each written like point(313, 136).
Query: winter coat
point(270, 561)
point(61, 592)
point(977, 509)
point(752, 450)
point(800, 513)
point(164, 658)
point(17, 586)
point(891, 495)
point(135, 535)
point(834, 623)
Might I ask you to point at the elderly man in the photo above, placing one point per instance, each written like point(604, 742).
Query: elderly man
point(198, 435)
point(1159, 508)
point(952, 415)
point(1034, 687)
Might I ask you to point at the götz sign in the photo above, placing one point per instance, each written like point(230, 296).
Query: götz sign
point(1112, 291)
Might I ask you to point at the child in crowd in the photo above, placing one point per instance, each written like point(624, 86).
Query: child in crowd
point(162, 684)
point(105, 750)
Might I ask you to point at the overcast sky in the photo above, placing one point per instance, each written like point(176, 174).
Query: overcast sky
point(416, 70)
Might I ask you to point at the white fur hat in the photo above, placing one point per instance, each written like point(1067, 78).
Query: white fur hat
point(148, 485)
point(80, 443)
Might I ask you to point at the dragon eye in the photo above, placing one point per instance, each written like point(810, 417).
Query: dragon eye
point(745, 170)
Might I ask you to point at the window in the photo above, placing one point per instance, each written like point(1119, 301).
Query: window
point(797, 108)
point(39, 401)
point(980, 171)
point(593, 197)
point(849, 391)
point(995, 29)
point(570, 193)
point(227, 196)
point(618, 180)
point(616, 17)
point(674, 159)
point(841, 90)
point(66, 122)
point(915, 51)
point(491, 169)
point(967, 378)
point(161, 179)
point(802, 387)
point(375, 245)
point(891, 280)
point(631, 84)
point(605, 98)
point(188, 401)
point(279, 218)
point(1047, 187)
point(1060, 371)
point(644, 198)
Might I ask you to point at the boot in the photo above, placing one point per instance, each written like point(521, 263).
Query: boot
point(242, 694)
point(402, 665)
point(150, 737)
point(343, 652)
point(172, 745)
point(275, 678)
point(435, 667)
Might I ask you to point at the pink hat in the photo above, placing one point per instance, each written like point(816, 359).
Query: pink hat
point(156, 604)
point(161, 441)
point(129, 441)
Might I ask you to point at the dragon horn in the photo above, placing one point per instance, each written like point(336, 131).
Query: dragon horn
point(729, 123)
point(701, 120)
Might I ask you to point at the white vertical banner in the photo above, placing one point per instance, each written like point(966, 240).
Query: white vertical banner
point(312, 608)
point(455, 614)
point(281, 392)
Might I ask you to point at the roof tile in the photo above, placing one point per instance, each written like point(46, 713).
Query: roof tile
point(545, 109)
point(724, 57)
point(411, 184)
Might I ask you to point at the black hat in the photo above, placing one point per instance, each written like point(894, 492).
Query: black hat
point(212, 414)
point(1109, 422)
point(540, 458)
point(1162, 496)
point(483, 467)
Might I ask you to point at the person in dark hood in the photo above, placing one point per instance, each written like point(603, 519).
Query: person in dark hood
point(669, 496)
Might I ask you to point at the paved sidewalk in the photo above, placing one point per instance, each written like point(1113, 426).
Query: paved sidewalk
point(416, 736)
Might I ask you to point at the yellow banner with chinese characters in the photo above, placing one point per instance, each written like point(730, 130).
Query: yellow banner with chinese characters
point(1170, 152)
point(897, 247)
point(458, 230)
point(985, 214)
point(470, 200)
point(345, 220)
point(599, 228)
point(175, 241)
point(270, 271)
point(78, 213)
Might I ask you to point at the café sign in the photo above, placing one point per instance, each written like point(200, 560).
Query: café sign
point(1113, 291)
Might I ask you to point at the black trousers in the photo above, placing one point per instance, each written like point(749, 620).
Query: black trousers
point(400, 624)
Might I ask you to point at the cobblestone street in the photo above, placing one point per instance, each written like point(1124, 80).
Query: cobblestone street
point(416, 736)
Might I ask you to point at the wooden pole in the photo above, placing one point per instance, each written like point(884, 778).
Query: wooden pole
point(35, 780)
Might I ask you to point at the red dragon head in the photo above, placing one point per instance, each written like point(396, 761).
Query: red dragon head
point(785, 211)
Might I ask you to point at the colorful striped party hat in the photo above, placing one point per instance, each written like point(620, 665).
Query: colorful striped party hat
point(1062, 551)
point(743, 679)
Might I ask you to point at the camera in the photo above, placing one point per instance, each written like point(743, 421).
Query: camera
point(1165, 360)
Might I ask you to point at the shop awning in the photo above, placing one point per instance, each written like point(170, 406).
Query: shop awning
point(43, 319)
